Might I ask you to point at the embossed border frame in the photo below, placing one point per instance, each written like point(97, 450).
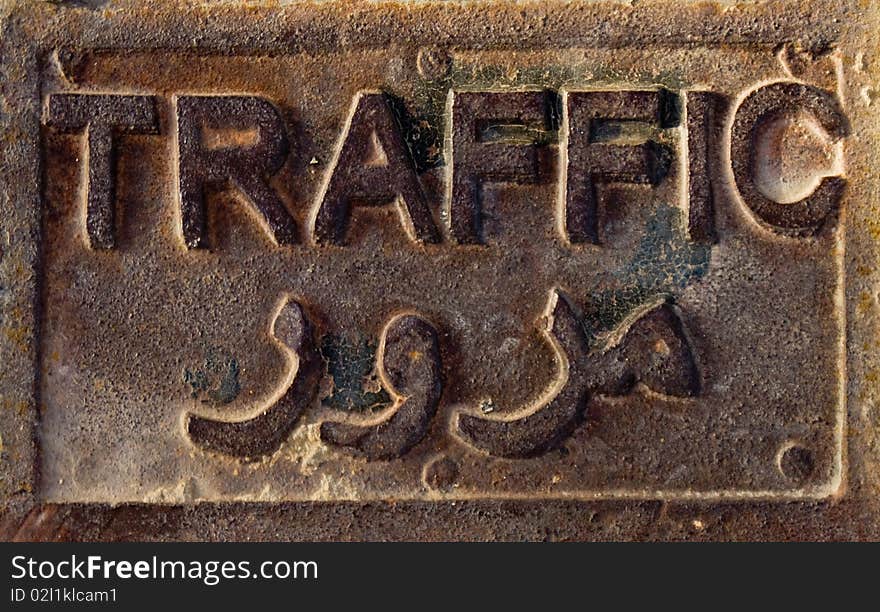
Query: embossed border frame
point(31, 29)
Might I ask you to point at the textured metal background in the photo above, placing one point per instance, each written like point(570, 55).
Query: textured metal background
point(80, 329)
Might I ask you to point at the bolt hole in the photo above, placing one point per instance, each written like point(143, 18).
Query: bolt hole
point(797, 463)
point(440, 474)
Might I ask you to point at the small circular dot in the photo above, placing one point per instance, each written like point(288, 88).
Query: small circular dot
point(797, 463)
point(440, 474)
point(433, 63)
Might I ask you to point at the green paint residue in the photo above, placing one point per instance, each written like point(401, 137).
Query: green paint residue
point(665, 262)
point(355, 383)
point(216, 380)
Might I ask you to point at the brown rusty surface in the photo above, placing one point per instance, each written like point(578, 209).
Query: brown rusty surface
point(438, 271)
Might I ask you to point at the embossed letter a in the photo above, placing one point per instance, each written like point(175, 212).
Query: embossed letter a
point(372, 166)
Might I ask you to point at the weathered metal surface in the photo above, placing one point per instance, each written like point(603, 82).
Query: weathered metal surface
point(439, 270)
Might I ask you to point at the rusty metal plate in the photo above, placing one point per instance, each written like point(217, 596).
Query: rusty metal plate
point(582, 260)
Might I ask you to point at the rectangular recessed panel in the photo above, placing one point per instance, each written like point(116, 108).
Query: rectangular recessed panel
point(429, 274)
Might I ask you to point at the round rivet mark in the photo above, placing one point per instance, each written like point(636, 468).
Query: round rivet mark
point(796, 462)
point(433, 63)
point(440, 474)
